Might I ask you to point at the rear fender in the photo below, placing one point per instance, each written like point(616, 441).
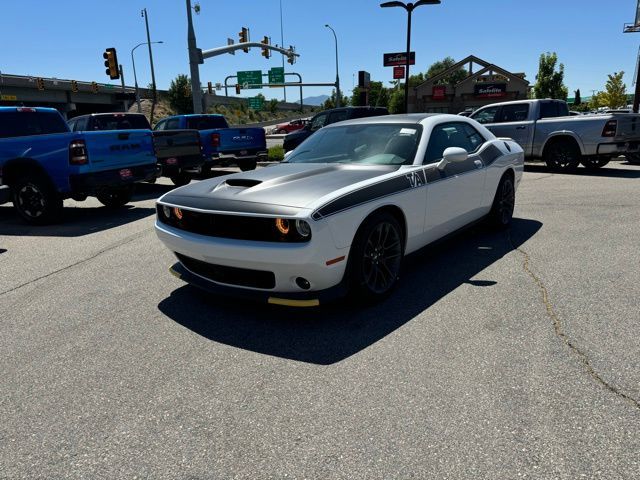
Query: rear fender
point(564, 133)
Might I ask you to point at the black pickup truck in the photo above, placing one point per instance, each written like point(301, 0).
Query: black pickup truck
point(178, 152)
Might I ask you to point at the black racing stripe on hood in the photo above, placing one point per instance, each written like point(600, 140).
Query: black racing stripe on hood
point(367, 194)
point(225, 205)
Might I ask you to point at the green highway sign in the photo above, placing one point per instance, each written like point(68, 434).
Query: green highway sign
point(249, 78)
point(256, 103)
point(276, 75)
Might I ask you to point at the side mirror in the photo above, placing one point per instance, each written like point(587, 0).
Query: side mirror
point(453, 155)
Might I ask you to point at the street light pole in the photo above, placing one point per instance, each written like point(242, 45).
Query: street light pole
point(338, 96)
point(194, 63)
point(153, 75)
point(135, 77)
point(409, 7)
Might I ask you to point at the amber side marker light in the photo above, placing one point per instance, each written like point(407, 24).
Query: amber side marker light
point(335, 260)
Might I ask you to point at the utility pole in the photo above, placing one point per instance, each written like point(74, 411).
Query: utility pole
point(153, 75)
point(194, 62)
point(282, 43)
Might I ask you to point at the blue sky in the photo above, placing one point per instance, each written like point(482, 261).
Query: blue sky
point(66, 38)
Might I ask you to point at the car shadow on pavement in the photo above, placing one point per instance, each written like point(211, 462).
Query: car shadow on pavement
point(598, 172)
point(75, 222)
point(329, 334)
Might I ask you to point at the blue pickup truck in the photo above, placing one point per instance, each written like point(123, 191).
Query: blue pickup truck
point(42, 162)
point(222, 145)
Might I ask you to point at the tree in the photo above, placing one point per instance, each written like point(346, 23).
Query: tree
point(378, 96)
point(331, 101)
point(273, 105)
point(179, 94)
point(396, 100)
point(439, 67)
point(597, 101)
point(577, 100)
point(549, 82)
point(615, 94)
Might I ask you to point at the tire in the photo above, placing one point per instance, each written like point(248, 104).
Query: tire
point(246, 166)
point(504, 201)
point(633, 158)
point(376, 258)
point(36, 200)
point(562, 156)
point(115, 197)
point(282, 132)
point(593, 163)
point(181, 179)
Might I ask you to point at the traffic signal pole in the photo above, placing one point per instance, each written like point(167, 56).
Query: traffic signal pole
point(194, 63)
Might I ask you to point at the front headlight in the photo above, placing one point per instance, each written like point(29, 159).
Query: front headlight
point(291, 230)
point(303, 228)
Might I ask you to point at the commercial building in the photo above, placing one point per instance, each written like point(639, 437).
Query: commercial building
point(484, 83)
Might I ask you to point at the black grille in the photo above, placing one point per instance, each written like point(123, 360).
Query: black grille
point(243, 277)
point(230, 226)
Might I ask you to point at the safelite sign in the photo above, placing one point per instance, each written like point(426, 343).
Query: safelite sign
point(490, 90)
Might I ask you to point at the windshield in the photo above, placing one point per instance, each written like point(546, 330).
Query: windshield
point(380, 144)
point(208, 122)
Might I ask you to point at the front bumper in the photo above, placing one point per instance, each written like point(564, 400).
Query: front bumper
point(286, 261)
point(91, 182)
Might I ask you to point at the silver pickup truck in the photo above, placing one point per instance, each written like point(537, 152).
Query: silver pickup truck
point(544, 129)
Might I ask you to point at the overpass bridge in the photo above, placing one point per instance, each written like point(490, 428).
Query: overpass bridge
point(70, 97)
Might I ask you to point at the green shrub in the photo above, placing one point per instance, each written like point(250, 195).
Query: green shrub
point(276, 154)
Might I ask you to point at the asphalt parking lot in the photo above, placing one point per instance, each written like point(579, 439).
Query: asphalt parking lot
point(501, 355)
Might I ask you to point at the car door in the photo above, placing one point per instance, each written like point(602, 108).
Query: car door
point(455, 193)
point(512, 121)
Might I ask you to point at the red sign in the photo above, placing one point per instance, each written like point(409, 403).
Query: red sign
point(398, 72)
point(439, 92)
point(393, 59)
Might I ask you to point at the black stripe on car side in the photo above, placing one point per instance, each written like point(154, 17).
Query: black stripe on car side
point(490, 154)
point(392, 186)
point(230, 206)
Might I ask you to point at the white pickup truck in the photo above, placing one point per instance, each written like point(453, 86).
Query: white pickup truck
point(544, 129)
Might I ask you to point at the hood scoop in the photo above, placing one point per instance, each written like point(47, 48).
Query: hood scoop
point(242, 182)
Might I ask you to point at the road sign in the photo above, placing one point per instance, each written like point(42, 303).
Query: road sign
point(250, 78)
point(398, 72)
point(276, 75)
point(394, 59)
point(364, 79)
point(255, 103)
point(8, 98)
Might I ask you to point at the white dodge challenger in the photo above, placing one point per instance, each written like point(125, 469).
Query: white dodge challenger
point(341, 212)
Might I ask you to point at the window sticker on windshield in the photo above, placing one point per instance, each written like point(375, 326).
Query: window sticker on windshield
point(407, 131)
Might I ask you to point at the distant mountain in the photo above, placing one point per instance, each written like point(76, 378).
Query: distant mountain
point(319, 100)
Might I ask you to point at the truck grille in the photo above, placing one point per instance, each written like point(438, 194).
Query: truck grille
point(243, 277)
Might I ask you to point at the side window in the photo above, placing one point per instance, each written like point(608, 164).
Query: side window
point(172, 124)
point(486, 115)
point(72, 125)
point(160, 125)
point(548, 109)
point(338, 116)
point(454, 134)
point(518, 112)
point(81, 124)
point(318, 122)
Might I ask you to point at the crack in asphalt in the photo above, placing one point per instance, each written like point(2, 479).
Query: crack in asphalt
point(561, 334)
point(122, 242)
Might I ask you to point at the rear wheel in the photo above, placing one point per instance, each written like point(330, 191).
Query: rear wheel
point(504, 202)
point(633, 158)
point(562, 156)
point(115, 197)
point(246, 166)
point(376, 258)
point(181, 179)
point(36, 200)
point(594, 162)
point(282, 132)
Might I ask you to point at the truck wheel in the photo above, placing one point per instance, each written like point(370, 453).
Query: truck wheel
point(562, 156)
point(36, 200)
point(181, 179)
point(375, 258)
point(501, 212)
point(246, 166)
point(115, 197)
point(633, 158)
point(594, 162)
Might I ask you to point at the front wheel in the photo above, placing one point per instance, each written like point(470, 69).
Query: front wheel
point(504, 202)
point(282, 132)
point(246, 166)
point(36, 200)
point(181, 179)
point(115, 197)
point(594, 162)
point(562, 156)
point(633, 158)
point(376, 258)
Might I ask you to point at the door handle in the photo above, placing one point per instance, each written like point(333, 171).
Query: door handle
point(522, 127)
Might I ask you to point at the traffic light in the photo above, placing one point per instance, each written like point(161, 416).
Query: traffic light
point(244, 38)
point(266, 53)
point(111, 62)
point(74, 86)
point(210, 88)
point(40, 83)
point(94, 87)
point(237, 89)
point(291, 58)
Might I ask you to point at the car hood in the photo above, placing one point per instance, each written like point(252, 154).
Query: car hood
point(282, 189)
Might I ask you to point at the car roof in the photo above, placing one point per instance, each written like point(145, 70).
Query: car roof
point(37, 109)
point(402, 118)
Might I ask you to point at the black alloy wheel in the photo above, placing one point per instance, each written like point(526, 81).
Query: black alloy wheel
point(593, 163)
point(115, 197)
point(562, 156)
point(36, 201)
point(503, 204)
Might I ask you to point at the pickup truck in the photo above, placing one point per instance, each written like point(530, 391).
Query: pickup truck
point(222, 145)
point(42, 162)
point(178, 152)
point(544, 129)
